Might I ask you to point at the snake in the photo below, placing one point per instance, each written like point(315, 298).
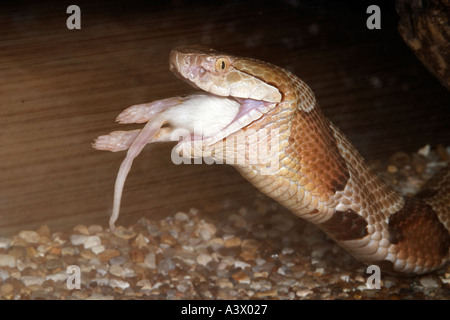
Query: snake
point(303, 161)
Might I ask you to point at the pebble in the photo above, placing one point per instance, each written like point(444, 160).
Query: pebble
point(123, 233)
point(303, 293)
point(54, 264)
point(71, 251)
point(204, 259)
point(57, 277)
point(77, 239)
point(119, 260)
point(5, 243)
point(224, 283)
point(429, 282)
point(98, 296)
point(141, 241)
point(165, 266)
point(4, 275)
point(32, 280)
point(116, 270)
point(119, 284)
point(98, 249)
point(241, 277)
point(29, 236)
point(108, 254)
point(95, 228)
point(91, 241)
point(424, 151)
point(7, 260)
point(232, 242)
point(206, 230)
point(181, 216)
point(6, 290)
point(137, 255)
point(150, 261)
point(144, 284)
point(241, 264)
point(81, 229)
point(266, 294)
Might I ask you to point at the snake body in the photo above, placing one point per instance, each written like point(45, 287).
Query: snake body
point(319, 176)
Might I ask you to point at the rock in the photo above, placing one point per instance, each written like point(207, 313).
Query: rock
point(98, 296)
point(81, 229)
point(168, 239)
point(44, 231)
point(165, 266)
point(54, 264)
point(224, 283)
point(145, 284)
point(150, 261)
point(181, 216)
point(137, 255)
point(77, 239)
point(241, 277)
point(91, 241)
point(303, 293)
point(108, 254)
point(206, 230)
point(204, 259)
point(32, 280)
point(6, 290)
point(4, 275)
point(232, 242)
point(123, 233)
point(98, 249)
point(429, 282)
point(57, 277)
point(29, 236)
point(95, 228)
point(241, 264)
point(55, 251)
point(87, 254)
point(5, 243)
point(141, 241)
point(116, 270)
point(7, 260)
point(69, 251)
point(119, 284)
point(216, 243)
point(266, 294)
point(119, 260)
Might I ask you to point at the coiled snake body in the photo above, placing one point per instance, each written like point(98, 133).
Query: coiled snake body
point(319, 175)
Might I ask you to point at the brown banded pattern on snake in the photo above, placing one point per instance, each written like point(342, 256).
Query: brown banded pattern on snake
point(321, 177)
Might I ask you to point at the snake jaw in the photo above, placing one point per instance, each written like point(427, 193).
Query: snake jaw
point(201, 71)
point(249, 111)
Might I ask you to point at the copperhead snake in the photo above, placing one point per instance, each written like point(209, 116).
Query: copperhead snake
point(319, 175)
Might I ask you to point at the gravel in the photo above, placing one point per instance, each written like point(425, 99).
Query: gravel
point(260, 251)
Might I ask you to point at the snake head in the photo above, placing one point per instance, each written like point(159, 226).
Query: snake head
point(223, 74)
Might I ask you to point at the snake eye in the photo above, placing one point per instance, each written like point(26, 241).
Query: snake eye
point(222, 64)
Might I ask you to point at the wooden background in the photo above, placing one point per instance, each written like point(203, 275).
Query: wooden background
point(60, 89)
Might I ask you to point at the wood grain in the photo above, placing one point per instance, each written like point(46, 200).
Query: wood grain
point(60, 89)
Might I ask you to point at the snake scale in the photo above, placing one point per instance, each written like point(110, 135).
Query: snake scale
point(319, 175)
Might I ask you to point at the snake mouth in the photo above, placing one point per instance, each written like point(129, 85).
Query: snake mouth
point(249, 111)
